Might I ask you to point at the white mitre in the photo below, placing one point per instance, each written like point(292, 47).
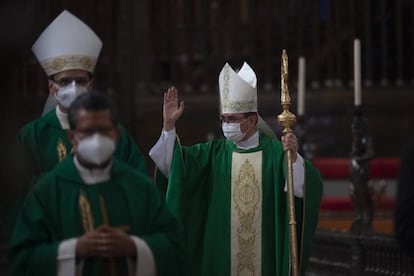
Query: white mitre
point(238, 91)
point(238, 94)
point(67, 43)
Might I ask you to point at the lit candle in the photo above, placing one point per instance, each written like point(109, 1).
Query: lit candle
point(357, 72)
point(301, 86)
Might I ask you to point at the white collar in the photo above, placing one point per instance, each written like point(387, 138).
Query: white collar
point(252, 142)
point(62, 117)
point(93, 176)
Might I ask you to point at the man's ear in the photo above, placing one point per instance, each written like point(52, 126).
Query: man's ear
point(52, 89)
point(253, 119)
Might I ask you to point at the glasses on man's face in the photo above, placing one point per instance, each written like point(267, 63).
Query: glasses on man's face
point(84, 81)
point(233, 119)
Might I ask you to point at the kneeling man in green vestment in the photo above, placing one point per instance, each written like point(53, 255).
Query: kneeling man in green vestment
point(93, 214)
point(230, 194)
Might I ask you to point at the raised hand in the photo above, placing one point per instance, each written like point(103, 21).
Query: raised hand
point(171, 109)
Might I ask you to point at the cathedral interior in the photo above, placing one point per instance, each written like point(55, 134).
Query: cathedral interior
point(150, 45)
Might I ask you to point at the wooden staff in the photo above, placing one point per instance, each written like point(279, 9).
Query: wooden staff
point(286, 119)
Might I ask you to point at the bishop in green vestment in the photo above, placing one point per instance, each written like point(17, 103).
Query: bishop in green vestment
point(230, 193)
point(93, 214)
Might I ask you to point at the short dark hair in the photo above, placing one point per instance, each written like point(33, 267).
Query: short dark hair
point(92, 101)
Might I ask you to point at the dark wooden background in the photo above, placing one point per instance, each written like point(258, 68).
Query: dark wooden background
point(150, 45)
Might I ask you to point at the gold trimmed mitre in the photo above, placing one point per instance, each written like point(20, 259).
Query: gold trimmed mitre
point(238, 94)
point(67, 44)
point(238, 91)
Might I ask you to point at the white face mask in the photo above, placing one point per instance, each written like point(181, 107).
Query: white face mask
point(232, 131)
point(96, 149)
point(67, 94)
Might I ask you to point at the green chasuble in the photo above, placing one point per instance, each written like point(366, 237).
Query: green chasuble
point(233, 207)
point(39, 146)
point(52, 213)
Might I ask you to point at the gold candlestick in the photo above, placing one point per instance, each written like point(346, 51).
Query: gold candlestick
point(287, 120)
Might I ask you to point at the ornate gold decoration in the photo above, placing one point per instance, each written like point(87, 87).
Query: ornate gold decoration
point(61, 150)
point(85, 208)
point(87, 222)
point(286, 119)
point(57, 64)
point(246, 198)
point(104, 213)
point(238, 106)
point(246, 216)
point(60, 63)
point(226, 79)
point(86, 62)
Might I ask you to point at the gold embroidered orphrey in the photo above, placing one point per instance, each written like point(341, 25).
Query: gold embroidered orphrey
point(61, 150)
point(246, 214)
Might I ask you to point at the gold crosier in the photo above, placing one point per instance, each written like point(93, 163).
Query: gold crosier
point(287, 120)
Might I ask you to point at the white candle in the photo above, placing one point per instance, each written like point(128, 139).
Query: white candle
point(357, 72)
point(301, 86)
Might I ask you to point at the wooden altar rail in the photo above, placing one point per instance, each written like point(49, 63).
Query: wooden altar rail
point(337, 253)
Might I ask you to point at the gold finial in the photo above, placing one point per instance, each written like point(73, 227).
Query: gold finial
point(286, 119)
point(285, 99)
